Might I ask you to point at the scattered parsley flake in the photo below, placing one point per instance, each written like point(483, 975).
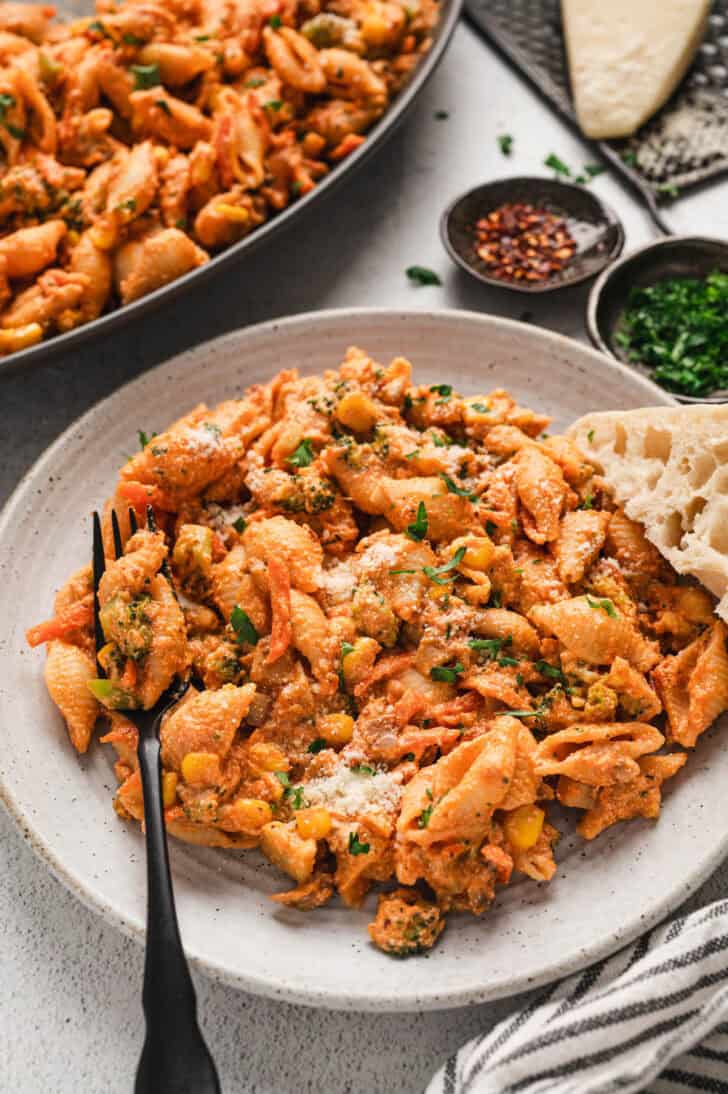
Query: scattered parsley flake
point(447, 674)
point(240, 524)
point(505, 143)
point(424, 818)
point(453, 488)
point(422, 276)
point(602, 603)
point(243, 626)
point(435, 572)
point(317, 745)
point(303, 454)
point(442, 389)
point(145, 76)
point(356, 847)
point(418, 529)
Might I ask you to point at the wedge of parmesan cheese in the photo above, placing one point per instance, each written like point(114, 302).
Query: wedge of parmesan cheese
point(668, 468)
point(626, 57)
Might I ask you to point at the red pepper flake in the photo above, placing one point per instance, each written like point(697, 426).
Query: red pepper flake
point(518, 242)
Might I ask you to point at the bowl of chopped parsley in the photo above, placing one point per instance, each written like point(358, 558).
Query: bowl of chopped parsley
point(664, 310)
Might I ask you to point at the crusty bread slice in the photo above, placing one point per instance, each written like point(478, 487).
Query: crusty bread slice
point(668, 468)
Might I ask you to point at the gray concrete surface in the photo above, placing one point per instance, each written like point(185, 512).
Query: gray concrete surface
point(70, 1017)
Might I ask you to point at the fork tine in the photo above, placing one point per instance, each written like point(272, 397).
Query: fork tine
point(116, 530)
point(133, 522)
point(99, 565)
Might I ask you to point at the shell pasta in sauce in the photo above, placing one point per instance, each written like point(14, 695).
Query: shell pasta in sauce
point(416, 628)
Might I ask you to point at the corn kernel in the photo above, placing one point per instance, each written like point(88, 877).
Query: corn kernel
point(250, 814)
point(357, 412)
point(169, 788)
point(268, 757)
point(161, 155)
point(313, 823)
point(72, 236)
point(201, 768)
point(523, 826)
point(336, 729)
point(234, 213)
point(479, 555)
point(357, 663)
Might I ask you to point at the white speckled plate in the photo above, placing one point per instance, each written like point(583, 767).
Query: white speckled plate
point(604, 893)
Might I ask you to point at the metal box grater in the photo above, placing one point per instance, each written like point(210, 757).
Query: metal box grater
point(684, 144)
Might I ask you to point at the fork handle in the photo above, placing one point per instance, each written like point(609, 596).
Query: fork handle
point(175, 1058)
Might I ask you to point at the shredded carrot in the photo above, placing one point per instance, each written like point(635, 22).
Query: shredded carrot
point(129, 675)
point(345, 147)
point(71, 618)
point(141, 495)
point(385, 667)
point(280, 602)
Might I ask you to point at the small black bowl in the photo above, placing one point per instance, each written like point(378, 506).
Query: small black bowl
point(596, 229)
point(676, 256)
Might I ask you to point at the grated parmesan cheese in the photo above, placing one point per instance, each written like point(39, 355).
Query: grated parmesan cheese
point(338, 583)
point(349, 793)
point(206, 442)
point(380, 554)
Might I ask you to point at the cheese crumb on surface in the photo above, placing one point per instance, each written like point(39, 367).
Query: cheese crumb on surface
point(350, 793)
point(205, 441)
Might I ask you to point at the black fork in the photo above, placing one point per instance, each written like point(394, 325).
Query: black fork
point(175, 1058)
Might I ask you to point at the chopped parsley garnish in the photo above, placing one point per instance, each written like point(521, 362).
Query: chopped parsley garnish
point(132, 40)
point(630, 158)
point(442, 389)
point(491, 646)
point(422, 276)
point(145, 76)
point(15, 131)
point(363, 769)
point(440, 115)
point(317, 745)
point(453, 488)
point(537, 713)
point(395, 572)
point(447, 674)
point(505, 143)
point(602, 603)
point(590, 436)
point(143, 438)
point(240, 524)
point(557, 165)
point(677, 329)
point(417, 530)
point(274, 21)
point(435, 572)
point(6, 103)
point(243, 626)
point(490, 527)
point(440, 442)
point(164, 106)
point(424, 818)
point(588, 502)
point(273, 104)
point(294, 795)
point(409, 756)
point(480, 408)
point(303, 455)
point(255, 81)
point(99, 28)
point(668, 190)
point(356, 847)
point(549, 670)
point(346, 649)
point(282, 777)
point(127, 206)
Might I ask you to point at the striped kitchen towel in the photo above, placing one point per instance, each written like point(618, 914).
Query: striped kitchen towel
point(652, 1018)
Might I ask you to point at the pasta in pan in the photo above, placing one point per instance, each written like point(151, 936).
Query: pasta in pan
point(415, 626)
point(137, 143)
